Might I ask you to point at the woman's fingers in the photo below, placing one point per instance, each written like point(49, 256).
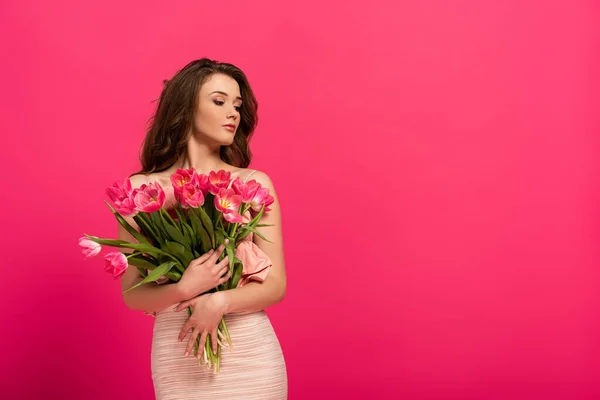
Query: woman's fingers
point(182, 305)
point(184, 330)
point(225, 278)
point(224, 261)
point(203, 257)
point(222, 266)
point(190, 346)
point(213, 339)
point(202, 343)
point(212, 254)
point(217, 253)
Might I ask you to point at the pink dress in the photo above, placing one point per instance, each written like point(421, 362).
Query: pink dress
point(256, 368)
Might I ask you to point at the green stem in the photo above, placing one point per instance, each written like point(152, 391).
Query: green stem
point(227, 333)
point(167, 215)
point(245, 208)
point(148, 227)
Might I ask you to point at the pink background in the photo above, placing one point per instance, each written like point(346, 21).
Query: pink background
point(450, 250)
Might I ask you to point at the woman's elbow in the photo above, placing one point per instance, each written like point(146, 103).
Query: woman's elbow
point(282, 292)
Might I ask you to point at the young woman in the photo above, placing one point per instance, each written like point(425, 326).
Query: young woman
point(204, 120)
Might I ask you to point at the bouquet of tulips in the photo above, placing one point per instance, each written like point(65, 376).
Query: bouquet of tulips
point(205, 214)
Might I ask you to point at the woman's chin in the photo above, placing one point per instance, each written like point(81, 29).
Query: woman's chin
point(223, 140)
point(228, 141)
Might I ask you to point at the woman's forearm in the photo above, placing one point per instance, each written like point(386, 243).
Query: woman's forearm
point(253, 296)
point(151, 297)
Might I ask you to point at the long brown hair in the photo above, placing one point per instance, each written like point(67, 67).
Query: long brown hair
point(167, 136)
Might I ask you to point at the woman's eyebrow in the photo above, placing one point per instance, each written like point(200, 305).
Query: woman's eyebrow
point(225, 94)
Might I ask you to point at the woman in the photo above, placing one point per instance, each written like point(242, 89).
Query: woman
point(205, 117)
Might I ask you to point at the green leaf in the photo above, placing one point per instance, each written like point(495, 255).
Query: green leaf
point(242, 233)
point(141, 262)
point(188, 232)
point(181, 252)
point(195, 222)
point(155, 274)
point(191, 237)
point(165, 214)
point(209, 206)
point(230, 254)
point(151, 250)
point(134, 232)
point(174, 232)
point(245, 231)
point(236, 275)
point(174, 248)
point(258, 234)
point(177, 209)
point(123, 243)
point(219, 237)
point(207, 224)
point(250, 227)
point(157, 223)
point(205, 240)
point(144, 222)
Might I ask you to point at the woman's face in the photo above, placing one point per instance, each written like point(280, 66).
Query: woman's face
point(219, 104)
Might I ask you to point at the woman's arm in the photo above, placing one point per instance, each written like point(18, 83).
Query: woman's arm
point(255, 296)
point(149, 297)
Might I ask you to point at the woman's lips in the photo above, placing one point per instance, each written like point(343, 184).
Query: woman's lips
point(230, 127)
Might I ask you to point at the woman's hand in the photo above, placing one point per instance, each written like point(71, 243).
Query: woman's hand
point(204, 273)
point(207, 311)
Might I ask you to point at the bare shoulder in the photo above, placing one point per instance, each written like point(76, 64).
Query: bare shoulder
point(138, 180)
point(259, 176)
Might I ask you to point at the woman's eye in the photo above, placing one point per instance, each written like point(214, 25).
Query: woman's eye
point(220, 103)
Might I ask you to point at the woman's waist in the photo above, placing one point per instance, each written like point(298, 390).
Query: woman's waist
point(168, 320)
point(183, 314)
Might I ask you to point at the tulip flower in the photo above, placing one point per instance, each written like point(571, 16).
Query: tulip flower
point(90, 248)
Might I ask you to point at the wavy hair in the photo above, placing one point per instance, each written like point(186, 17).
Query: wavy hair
point(167, 136)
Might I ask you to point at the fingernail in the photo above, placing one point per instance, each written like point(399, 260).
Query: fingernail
point(187, 353)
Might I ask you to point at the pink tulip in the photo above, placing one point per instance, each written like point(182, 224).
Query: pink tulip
point(246, 190)
point(183, 177)
point(227, 201)
point(189, 196)
point(115, 263)
point(218, 180)
point(204, 184)
point(90, 248)
point(119, 191)
point(262, 197)
point(121, 196)
point(233, 217)
point(149, 197)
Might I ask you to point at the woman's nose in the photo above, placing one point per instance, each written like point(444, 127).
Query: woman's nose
point(232, 113)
